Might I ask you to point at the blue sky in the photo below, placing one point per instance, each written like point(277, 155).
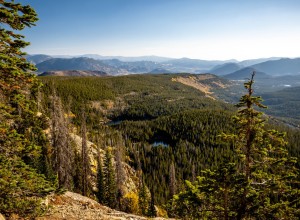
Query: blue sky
point(202, 29)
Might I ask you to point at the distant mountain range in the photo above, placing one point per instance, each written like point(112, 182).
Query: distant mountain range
point(269, 68)
point(38, 58)
point(117, 65)
point(81, 63)
point(128, 59)
point(74, 73)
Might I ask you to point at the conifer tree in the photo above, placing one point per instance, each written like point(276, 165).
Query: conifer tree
point(172, 180)
point(20, 183)
point(77, 172)
point(120, 173)
point(84, 156)
point(213, 195)
point(143, 197)
point(152, 210)
point(269, 172)
point(110, 193)
point(100, 181)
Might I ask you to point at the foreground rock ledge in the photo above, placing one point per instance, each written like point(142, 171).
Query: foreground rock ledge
point(73, 206)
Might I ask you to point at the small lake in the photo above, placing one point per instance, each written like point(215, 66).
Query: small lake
point(159, 143)
point(114, 122)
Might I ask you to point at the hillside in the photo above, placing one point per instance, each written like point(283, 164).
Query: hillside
point(243, 74)
point(134, 66)
point(148, 95)
point(283, 103)
point(206, 83)
point(159, 71)
point(112, 66)
point(283, 66)
point(225, 68)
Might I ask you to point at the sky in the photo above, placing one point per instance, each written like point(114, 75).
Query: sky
point(199, 29)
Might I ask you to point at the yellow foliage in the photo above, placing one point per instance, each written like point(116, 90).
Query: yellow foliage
point(161, 212)
point(109, 148)
point(130, 203)
point(69, 115)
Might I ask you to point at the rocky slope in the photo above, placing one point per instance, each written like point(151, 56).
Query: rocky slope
point(130, 179)
point(204, 82)
point(73, 206)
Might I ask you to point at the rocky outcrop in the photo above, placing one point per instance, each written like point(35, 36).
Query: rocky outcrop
point(73, 206)
point(1, 217)
point(130, 179)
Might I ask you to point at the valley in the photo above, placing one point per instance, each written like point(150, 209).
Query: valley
point(182, 111)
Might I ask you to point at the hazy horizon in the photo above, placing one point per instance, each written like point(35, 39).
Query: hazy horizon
point(197, 29)
point(116, 56)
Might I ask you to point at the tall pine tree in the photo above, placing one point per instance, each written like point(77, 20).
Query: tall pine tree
point(100, 181)
point(110, 192)
point(120, 173)
point(269, 172)
point(151, 209)
point(143, 197)
point(20, 149)
point(84, 156)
